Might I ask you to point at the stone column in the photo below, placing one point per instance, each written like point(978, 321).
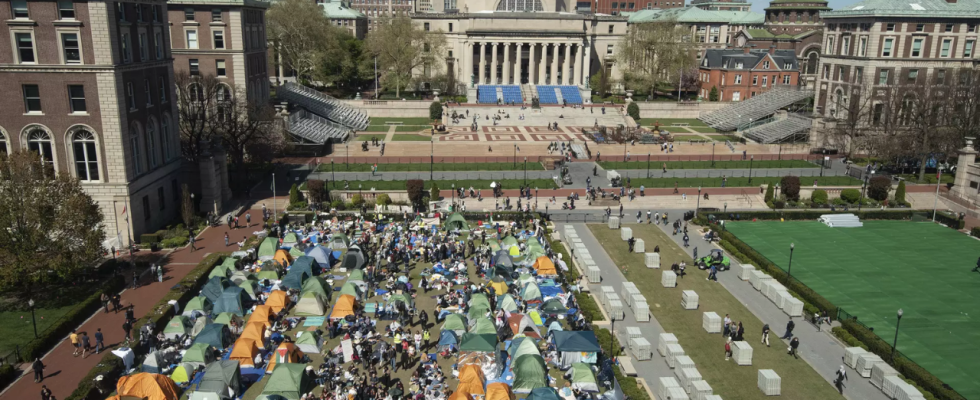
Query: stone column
point(543, 64)
point(578, 65)
point(587, 59)
point(493, 65)
point(565, 72)
point(468, 64)
point(506, 63)
point(531, 63)
point(517, 65)
point(483, 64)
point(554, 65)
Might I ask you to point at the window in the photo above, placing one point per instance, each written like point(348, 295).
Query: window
point(883, 77)
point(32, 99)
point(913, 75)
point(609, 49)
point(147, 92)
point(632, 6)
point(165, 143)
point(863, 46)
point(738, 79)
point(765, 81)
point(194, 67)
point(25, 47)
point(845, 46)
point(858, 73)
point(786, 79)
point(610, 28)
point(944, 51)
point(121, 11)
point(192, 39)
point(39, 142)
point(917, 47)
point(161, 199)
point(941, 77)
point(215, 15)
point(755, 81)
point(765, 64)
point(450, 26)
point(615, 5)
point(876, 113)
point(220, 67)
point(890, 27)
point(219, 39)
point(151, 141)
point(139, 12)
point(3, 145)
point(949, 27)
point(86, 157)
point(736, 96)
point(840, 73)
point(19, 9)
point(158, 45)
point(156, 14)
point(971, 27)
point(223, 94)
point(144, 47)
point(188, 14)
point(426, 26)
point(739, 65)
point(69, 46)
point(76, 99)
point(127, 54)
point(66, 9)
point(920, 27)
point(886, 51)
point(134, 146)
point(968, 49)
point(830, 45)
point(146, 208)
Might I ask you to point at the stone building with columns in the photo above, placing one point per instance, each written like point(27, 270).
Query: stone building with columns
point(523, 42)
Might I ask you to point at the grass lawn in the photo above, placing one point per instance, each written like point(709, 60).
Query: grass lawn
point(409, 137)
point(376, 128)
point(404, 121)
point(736, 182)
point(703, 129)
point(929, 178)
point(707, 164)
point(443, 184)
point(799, 380)
point(369, 137)
point(671, 121)
point(423, 167)
point(16, 328)
point(872, 271)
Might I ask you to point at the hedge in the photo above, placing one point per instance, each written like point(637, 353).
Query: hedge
point(631, 388)
point(975, 232)
point(8, 374)
point(585, 302)
point(111, 367)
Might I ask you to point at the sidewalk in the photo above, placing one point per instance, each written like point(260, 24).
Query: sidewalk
point(64, 372)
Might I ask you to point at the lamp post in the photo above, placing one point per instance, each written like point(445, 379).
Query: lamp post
point(454, 193)
point(359, 190)
point(333, 177)
point(515, 155)
point(894, 343)
point(347, 155)
point(525, 171)
point(699, 203)
point(612, 337)
point(432, 153)
point(864, 189)
point(789, 269)
point(751, 159)
point(713, 154)
point(648, 165)
point(30, 303)
point(535, 197)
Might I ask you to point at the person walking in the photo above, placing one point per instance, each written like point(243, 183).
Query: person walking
point(136, 280)
point(127, 328)
point(727, 326)
point(105, 302)
point(765, 334)
point(728, 348)
point(192, 240)
point(712, 274)
point(226, 239)
point(45, 393)
point(793, 346)
point(38, 368)
point(99, 341)
point(789, 329)
point(248, 219)
point(73, 338)
point(425, 338)
point(841, 377)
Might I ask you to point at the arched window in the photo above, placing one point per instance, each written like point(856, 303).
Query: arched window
point(195, 92)
point(3, 143)
point(151, 144)
point(86, 156)
point(39, 141)
point(811, 63)
point(134, 147)
point(224, 93)
point(165, 140)
point(908, 107)
point(840, 104)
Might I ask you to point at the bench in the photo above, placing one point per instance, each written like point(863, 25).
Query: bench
point(698, 140)
point(626, 365)
point(394, 123)
point(680, 124)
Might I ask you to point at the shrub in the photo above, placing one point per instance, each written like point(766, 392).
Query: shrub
point(975, 232)
point(318, 190)
point(337, 205)
point(111, 367)
point(819, 197)
point(847, 338)
point(791, 187)
point(633, 110)
point(779, 204)
point(415, 189)
point(878, 188)
point(174, 242)
point(383, 200)
point(713, 94)
point(434, 192)
point(357, 201)
point(7, 375)
point(148, 238)
point(435, 110)
point(770, 194)
point(298, 206)
point(900, 194)
point(851, 196)
point(294, 195)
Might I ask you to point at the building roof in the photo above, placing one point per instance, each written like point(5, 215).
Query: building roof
point(907, 8)
point(728, 58)
point(765, 34)
point(337, 9)
point(691, 14)
point(240, 3)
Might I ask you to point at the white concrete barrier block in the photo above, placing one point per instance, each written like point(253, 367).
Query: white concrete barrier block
point(626, 233)
point(613, 223)
point(711, 322)
point(652, 260)
point(668, 279)
point(639, 246)
point(769, 382)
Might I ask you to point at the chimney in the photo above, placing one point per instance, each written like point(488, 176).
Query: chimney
point(951, 1)
point(746, 50)
point(772, 49)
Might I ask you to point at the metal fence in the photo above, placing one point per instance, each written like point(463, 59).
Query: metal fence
point(12, 358)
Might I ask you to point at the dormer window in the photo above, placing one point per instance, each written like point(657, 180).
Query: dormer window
point(739, 65)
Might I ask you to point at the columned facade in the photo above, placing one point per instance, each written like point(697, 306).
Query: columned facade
point(508, 62)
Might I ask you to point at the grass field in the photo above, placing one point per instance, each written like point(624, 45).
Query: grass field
point(707, 164)
point(369, 137)
point(871, 272)
point(671, 121)
point(799, 380)
point(404, 121)
point(482, 184)
point(16, 328)
point(736, 182)
point(409, 137)
point(702, 129)
point(424, 167)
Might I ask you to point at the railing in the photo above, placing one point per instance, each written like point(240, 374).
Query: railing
point(748, 199)
point(755, 124)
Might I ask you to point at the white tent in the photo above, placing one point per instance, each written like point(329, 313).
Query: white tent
point(311, 304)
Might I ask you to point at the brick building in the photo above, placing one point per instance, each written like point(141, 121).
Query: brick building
point(375, 9)
point(341, 14)
point(740, 74)
point(791, 25)
point(722, 5)
point(617, 7)
point(89, 87)
point(709, 29)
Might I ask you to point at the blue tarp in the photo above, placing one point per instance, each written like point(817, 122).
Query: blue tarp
point(550, 291)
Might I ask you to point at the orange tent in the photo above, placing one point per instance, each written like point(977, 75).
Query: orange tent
point(277, 300)
point(457, 395)
point(254, 331)
point(244, 352)
point(147, 386)
point(499, 391)
point(521, 324)
point(261, 314)
point(344, 307)
point(286, 353)
point(544, 266)
point(471, 380)
point(283, 258)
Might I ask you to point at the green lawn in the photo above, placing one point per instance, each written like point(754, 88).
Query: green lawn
point(671, 121)
point(414, 128)
point(702, 129)
point(929, 178)
point(423, 167)
point(376, 128)
point(708, 165)
point(369, 137)
point(16, 328)
point(483, 184)
point(409, 138)
point(730, 381)
point(737, 182)
point(403, 120)
point(872, 271)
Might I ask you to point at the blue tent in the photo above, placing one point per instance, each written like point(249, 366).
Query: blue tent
point(321, 254)
point(216, 335)
point(577, 341)
point(448, 339)
point(215, 286)
point(295, 279)
point(306, 263)
point(234, 300)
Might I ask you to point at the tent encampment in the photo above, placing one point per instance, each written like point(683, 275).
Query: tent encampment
point(521, 324)
point(322, 255)
point(147, 386)
point(514, 251)
point(544, 266)
point(455, 221)
point(508, 242)
point(471, 380)
point(499, 391)
point(543, 393)
point(277, 300)
point(345, 306)
point(311, 303)
point(354, 259)
point(216, 335)
point(261, 313)
point(199, 304)
point(215, 286)
point(482, 325)
point(283, 258)
point(582, 377)
point(287, 352)
point(183, 372)
point(254, 331)
point(288, 381)
point(244, 352)
point(251, 288)
point(234, 300)
point(401, 298)
point(521, 346)
point(309, 342)
point(178, 326)
point(267, 249)
point(448, 339)
point(339, 241)
point(552, 307)
point(226, 318)
point(290, 239)
point(152, 363)
point(268, 273)
point(531, 292)
point(574, 346)
point(308, 264)
point(507, 303)
point(219, 377)
point(199, 354)
point(457, 395)
point(477, 312)
point(238, 277)
point(456, 323)
point(529, 373)
point(479, 300)
point(499, 285)
point(295, 279)
point(297, 250)
point(352, 289)
point(485, 342)
point(319, 286)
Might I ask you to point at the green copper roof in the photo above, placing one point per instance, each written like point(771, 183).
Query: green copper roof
point(336, 9)
point(765, 34)
point(245, 3)
point(788, 2)
point(690, 14)
point(916, 8)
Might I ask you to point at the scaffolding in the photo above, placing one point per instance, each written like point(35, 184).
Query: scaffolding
point(324, 106)
point(779, 130)
point(755, 108)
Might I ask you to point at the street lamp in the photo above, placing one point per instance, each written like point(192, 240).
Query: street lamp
point(515, 155)
point(713, 154)
point(432, 153)
point(789, 270)
point(535, 197)
point(525, 170)
point(333, 177)
point(30, 303)
point(454, 194)
point(864, 189)
point(751, 159)
point(347, 155)
point(895, 343)
point(648, 165)
point(699, 203)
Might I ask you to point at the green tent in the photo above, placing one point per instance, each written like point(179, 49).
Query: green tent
point(268, 273)
point(215, 335)
point(485, 342)
point(356, 275)
point(583, 378)
point(295, 279)
point(307, 264)
point(237, 277)
point(219, 376)
point(523, 279)
point(455, 322)
point(534, 253)
point(289, 381)
point(543, 393)
point(521, 346)
point(507, 303)
point(215, 286)
point(339, 241)
point(351, 289)
point(231, 263)
point(479, 300)
point(508, 242)
point(317, 285)
point(494, 245)
point(251, 288)
point(477, 312)
point(311, 304)
point(455, 221)
point(290, 239)
point(529, 373)
point(221, 271)
point(295, 251)
point(199, 303)
point(531, 292)
point(483, 325)
point(225, 318)
point(309, 342)
point(553, 307)
point(199, 354)
point(576, 341)
point(177, 327)
point(267, 249)
point(401, 298)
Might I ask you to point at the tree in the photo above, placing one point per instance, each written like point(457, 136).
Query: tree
point(403, 49)
point(633, 110)
point(434, 192)
point(186, 205)
point(713, 94)
point(852, 117)
point(819, 197)
point(900, 193)
point(384, 200)
point(770, 194)
point(791, 187)
point(654, 54)
point(435, 110)
point(317, 190)
point(294, 195)
point(878, 188)
point(52, 231)
point(306, 41)
point(416, 190)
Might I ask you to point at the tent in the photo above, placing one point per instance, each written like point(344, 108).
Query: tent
point(244, 352)
point(457, 395)
point(455, 221)
point(339, 241)
point(521, 324)
point(152, 363)
point(544, 266)
point(322, 255)
point(199, 354)
point(227, 266)
point(308, 264)
point(531, 292)
point(352, 289)
point(234, 300)
point(499, 285)
point(296, 251)
point(178, 326)
point(216, 335)
point(482, 325)
point(311, 304)
point(226, 318)
point(514, 251)
point(582, 377)
point(199, 303)
point(344, 307)
point(147, 386)
point(448, 339)
point(485, 342)
point(543, 393)
point(220, 376)
point(290, 239)
point(268, 273)
point(251, 288)
point(552, 307)
point(354, 259)
point(318, 286)
point(238, 277)
point(555, 326)
point(533, 253)
point(529, 373)
point(508, 242)
point(254, 331)
point(479, 300)
point(574, 346)
point(357, 278)
point(287, 352)
point(524, 279)
point(262, 314)
point(267, 249)
point(283, 258)
point(471, 380)
point(455, 322)
point(521, 346)
point(499, 391)
point(507, 303)
point(401, 298)
point(184, 372)
point(215, 286)
point(477, 312)
point(310, 342)
point(288, 381)
point(277, 300)
point(295, 279)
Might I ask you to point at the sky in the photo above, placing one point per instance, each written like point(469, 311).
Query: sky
point(759, 6)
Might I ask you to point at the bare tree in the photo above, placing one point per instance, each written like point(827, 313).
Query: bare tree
point(402, 48)
point(654, 54)
point(852, 121)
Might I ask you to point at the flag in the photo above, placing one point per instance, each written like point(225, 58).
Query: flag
point(124, 209)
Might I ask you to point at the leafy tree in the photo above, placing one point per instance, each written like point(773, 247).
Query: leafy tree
point(402, 48)
point(52, 230)
point(416, 193)
point(653, 54)
point(435, 110)
point(633, 110)
point(851, 196)
point(318, 191)
point(791, 187)
point(186, 205)
point(357, 200)
point(434, 192)
point(900, 193)
point(770, 193)
point(878, 188)
point(306, 41)
point(384, 200)
point(713, 94)
point(294, 195)
point(819, 197)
